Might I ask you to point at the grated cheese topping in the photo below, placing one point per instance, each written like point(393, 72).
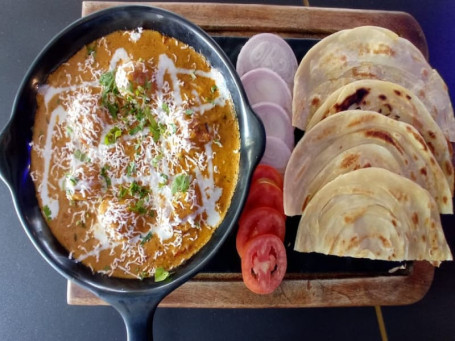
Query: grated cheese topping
point(129, 155)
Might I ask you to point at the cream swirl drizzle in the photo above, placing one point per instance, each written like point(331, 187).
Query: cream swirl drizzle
point(168, 148)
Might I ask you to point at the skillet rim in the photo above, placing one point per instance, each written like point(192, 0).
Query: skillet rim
point(251, 131)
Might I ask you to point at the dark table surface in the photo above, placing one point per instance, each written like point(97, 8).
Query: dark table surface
point(33, 296)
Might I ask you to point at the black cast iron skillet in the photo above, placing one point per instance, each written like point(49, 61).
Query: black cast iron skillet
point(136, 300)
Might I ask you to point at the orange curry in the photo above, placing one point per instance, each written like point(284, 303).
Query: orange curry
point(135, 153)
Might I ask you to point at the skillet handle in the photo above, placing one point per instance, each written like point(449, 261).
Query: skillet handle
point(137, 314)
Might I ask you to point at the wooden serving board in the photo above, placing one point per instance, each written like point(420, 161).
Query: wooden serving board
point(226, 290)
point(288, 21)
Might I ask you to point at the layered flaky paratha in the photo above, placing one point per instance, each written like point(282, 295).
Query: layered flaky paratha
point(356, 139)
point(373, 213)
point(368, 52)
point(394, 101)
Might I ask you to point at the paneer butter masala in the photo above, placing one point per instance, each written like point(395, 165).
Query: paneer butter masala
point(135, 153)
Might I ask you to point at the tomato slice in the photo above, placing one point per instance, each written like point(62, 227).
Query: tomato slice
point(268, 172)
point(264, 263)
point(264, 192)
point(260, 220)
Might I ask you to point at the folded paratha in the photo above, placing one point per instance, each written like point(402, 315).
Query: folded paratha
point(368, 52)
point(356, 139)
point(394, 101)
point(373, 213)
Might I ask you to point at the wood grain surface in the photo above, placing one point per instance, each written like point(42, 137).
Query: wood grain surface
point(315, 290)
point(287, 21)
point(226, 290)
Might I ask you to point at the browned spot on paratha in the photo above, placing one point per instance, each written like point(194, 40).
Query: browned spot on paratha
point(415, 218)
point(350, 160)
point(355, 98)
point(385, 136)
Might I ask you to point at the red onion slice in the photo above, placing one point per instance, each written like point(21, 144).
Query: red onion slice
point(264, 85)
point(276, 154)
point(276, 122)
point(270, 51)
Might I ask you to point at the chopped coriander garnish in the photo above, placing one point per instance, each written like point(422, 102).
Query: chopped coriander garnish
point(136, 129)
point(157, 159)
point(78, 154)
point(157, 129)
point(139, 114)
point(138, 145)
point(164, 180)
point(139, 90)
point(130, 87)
point(122, 192)
point(113, 109)
point(161, 274)
point(173, 128)
point(112, 135)
point(47, 212)
point(154, 128)
point(143, 274)
point(107, 80)
point(213, 88)
point(189, 112)
point(90, 50)
point(73, 180)
point(147, 112)
point(105, 176)
point(165, 107)
point(147, 237)
point(181, 183)
point(143, 192)
point(135, 188)
point(138, 207)
point(131, 168)
point(162, 128)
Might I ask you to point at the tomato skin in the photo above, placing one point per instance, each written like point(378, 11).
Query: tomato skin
point(259, 220)
point(264, 264)
point(264, 192)
point(268, 172)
